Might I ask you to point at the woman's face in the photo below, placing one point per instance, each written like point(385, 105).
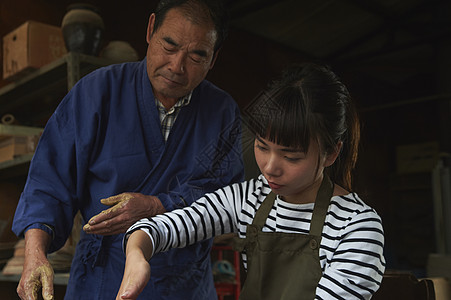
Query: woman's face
point(294, 174)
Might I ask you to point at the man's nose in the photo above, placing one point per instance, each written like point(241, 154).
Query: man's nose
point(178, 61)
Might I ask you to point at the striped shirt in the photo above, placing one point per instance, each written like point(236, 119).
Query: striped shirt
point(351, 250)
point(168, 117)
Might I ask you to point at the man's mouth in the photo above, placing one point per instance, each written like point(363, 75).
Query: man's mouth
point(171, 80)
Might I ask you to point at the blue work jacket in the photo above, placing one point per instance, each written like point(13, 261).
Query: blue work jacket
point(104, 139)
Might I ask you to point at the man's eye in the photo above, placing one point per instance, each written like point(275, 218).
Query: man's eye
point(169, 48)
point(196, 59)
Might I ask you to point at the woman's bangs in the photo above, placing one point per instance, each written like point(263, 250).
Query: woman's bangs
point(281, 118)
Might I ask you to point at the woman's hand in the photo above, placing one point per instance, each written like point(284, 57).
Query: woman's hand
point(136, 276)
point(137, 267)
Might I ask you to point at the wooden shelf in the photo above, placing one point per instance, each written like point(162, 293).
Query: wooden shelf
point(50, 81)
point(31, 100)
point(16, 130)
point(20, 160)
point(42, 88)
point(19, 165)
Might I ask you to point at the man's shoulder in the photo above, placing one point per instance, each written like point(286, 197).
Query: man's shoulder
point(113, 72)
point(210, 93)
point(102, 87)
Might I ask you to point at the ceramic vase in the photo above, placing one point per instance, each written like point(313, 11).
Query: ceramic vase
point(83, 28)
point(119, 51)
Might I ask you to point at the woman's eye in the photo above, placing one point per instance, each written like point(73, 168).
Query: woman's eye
point(260, 147)
point(292, 159)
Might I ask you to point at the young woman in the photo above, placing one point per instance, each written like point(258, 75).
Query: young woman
point(303, 233)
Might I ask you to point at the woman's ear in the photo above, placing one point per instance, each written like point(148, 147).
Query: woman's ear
point(331, 157)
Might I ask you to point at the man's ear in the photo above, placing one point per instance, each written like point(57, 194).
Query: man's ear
point(331, 157)
point(213, 60)
point(150, 27)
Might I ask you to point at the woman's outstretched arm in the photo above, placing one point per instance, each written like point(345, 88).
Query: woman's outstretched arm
point(137, 267)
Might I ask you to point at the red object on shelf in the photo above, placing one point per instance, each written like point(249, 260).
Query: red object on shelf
point(225, 288)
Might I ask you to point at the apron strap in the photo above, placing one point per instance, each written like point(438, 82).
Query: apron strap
point(322, 201)
point(263, 211)
point(239, 244)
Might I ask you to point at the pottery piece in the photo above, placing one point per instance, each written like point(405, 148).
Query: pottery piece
point(83, 28)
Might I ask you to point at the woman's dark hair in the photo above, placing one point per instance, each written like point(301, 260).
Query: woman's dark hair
point(309, 102)
point(199, 12)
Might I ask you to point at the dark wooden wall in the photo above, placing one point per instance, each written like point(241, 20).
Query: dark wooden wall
point(245, 65)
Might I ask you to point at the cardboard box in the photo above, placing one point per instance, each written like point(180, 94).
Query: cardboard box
point(29, 47)
point(13, 146)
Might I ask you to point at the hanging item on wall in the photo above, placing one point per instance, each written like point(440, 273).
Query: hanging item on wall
point(83, 29)
point(8, 119)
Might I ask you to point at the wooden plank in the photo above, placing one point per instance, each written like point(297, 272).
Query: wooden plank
point(18, 130)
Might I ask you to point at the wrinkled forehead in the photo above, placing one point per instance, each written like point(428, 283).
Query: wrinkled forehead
point(180, 26)
point(198, 17)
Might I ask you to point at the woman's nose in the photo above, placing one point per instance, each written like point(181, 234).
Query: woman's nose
point(272, 166)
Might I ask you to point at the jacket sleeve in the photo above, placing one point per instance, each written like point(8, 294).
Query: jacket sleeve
point(51, 195)
point(47, 199)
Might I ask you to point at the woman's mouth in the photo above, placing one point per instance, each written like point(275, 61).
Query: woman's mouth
point(274, 186)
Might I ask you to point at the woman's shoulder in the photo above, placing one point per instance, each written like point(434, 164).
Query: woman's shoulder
point(352, 206)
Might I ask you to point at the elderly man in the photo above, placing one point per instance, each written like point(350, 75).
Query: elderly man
point(130, 141)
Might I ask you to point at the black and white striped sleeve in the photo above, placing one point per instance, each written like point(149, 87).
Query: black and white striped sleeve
point(357, 265)
point(212, 215)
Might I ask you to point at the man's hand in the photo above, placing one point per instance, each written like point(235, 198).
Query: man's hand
point(37, 271)
point(127, 208)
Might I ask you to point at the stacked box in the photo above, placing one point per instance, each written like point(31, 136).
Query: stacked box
point(13, 146)
point(29, 47)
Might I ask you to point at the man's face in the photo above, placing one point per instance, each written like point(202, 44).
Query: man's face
point(179, 55)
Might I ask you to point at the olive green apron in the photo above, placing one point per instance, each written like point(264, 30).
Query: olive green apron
point(284, 266)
